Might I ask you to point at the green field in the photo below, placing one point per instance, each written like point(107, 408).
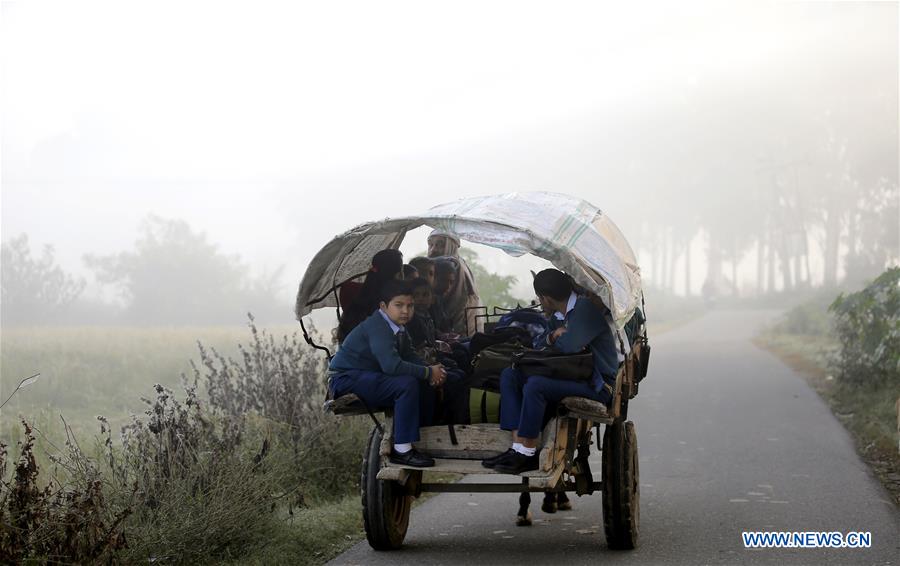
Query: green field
point(90, 371)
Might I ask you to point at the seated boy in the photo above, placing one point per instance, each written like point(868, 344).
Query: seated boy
point(421, 325)
point(376, 362)
point(425, 267)
point(445, 274)
point(453, 395)
point(576, 322)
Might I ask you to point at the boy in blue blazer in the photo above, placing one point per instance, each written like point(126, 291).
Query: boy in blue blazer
point(377, 363)
point(575, 323)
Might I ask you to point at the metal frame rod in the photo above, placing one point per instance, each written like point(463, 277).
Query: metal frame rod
point(310, 341)
point(497, 487)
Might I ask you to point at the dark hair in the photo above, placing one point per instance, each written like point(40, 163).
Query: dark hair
point(394, 288)
point(385, 266)
point(444, 266)
point(553, 283)
point(419, 282)
point(421, 262)
point(388, 262)
point(410, 272)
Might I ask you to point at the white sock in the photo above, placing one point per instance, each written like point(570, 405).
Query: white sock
point(402, 448)
point(521, 449)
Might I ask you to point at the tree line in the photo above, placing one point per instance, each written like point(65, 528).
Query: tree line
point(173, 275)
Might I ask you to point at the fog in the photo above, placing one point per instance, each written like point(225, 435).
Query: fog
point(753, 146)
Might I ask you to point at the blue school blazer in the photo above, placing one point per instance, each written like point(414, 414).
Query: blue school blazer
point(372, 346)
point(586, 326)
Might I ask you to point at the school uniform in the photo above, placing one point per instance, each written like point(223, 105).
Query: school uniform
point(377, 363)
point(525, 398)
point(422, 329)
point(455, 400)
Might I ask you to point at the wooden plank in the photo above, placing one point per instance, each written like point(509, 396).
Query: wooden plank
point(395, 474)
point(387, 442)
point(589, 409)
point(547, 444)
point(546, 481)
point(442, 465)
point(617, 396)
point(475, 441)
point(345, 405)
point(467, 467)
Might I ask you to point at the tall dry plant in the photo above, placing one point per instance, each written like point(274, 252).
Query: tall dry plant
point(66, 520)
point(198, 487)
point(283, 380)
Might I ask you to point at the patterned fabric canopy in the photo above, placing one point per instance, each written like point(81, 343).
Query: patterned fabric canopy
point(571, 233)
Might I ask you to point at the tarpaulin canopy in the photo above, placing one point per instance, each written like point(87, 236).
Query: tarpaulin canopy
point(571, 233)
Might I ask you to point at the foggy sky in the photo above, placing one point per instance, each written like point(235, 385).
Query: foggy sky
point(274, 128)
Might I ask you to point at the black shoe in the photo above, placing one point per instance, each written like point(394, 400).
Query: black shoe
point(494, 460)
point(517, 463)
point(412, 458)
point(549, 506)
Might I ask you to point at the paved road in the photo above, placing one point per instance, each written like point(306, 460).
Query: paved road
point(730, 439)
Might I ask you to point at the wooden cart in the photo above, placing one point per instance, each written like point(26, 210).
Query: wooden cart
point(577, 238)
point(388, 489)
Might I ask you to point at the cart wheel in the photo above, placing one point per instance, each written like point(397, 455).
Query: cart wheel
point(621, 492)
point(385, 504)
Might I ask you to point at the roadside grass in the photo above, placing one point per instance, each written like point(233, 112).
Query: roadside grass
point(95, 370)
point(316, 534)
point(868, 412)
point(310, 536)
point(86, 371)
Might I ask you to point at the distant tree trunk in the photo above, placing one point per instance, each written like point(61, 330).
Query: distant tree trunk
point(672, 262)
point(785, 265)
point(760, 265)
point(734, 263)
point(806, 259)
point(852, 232)
point(665, 261)
point(714, 267)
point(832, 241)
point(687, 269)
point(852, 238)
point(654, 259)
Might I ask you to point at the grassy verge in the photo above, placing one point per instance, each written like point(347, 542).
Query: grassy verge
point(309, 536)
point(868, 413)
point(317, 534)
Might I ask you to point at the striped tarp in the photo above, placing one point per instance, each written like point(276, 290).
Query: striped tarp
point(571, 233)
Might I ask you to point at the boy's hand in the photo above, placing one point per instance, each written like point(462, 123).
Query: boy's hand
point(556, 334)
point(438, 375)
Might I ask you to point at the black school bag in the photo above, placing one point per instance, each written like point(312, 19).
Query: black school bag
point(482, 340)
point(490, 362)
point(555, 364)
